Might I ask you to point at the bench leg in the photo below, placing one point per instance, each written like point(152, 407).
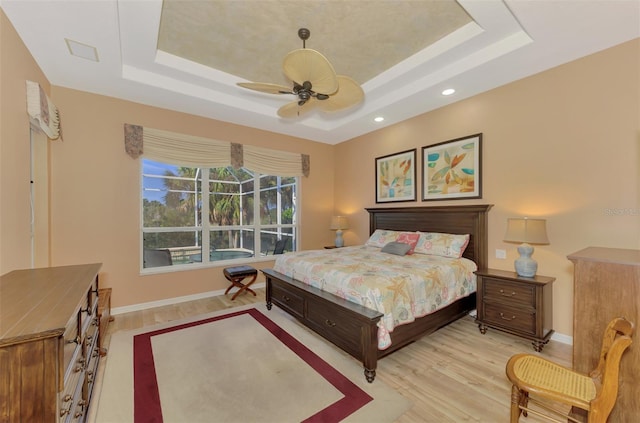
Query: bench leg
point(243, 287)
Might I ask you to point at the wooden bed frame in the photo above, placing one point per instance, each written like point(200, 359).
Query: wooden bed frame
point(353, 327)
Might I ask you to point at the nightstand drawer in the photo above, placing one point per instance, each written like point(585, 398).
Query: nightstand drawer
point(518, 295)
point(515, 319)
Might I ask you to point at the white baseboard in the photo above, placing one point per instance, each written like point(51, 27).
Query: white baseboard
point(560, 337)
point(175, 300)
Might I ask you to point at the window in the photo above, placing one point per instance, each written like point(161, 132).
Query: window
point(206, 215)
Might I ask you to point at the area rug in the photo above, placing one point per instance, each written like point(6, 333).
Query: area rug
point(246, 364)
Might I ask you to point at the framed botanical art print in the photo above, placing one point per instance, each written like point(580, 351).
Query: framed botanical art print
point(452, 169)
point(396, 177)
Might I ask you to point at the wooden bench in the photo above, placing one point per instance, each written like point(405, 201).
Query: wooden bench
point(236, 275)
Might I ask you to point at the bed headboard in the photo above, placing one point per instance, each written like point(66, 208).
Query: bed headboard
point(471, 219)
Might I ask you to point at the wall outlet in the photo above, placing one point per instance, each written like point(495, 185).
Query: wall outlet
point(501, 254)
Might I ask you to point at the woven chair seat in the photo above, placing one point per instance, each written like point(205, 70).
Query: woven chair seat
point(536, 371)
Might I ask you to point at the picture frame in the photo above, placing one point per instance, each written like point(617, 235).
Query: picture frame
point(396, 177)
point(452, 169)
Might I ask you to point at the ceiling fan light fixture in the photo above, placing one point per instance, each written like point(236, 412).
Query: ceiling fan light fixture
point(315, 83)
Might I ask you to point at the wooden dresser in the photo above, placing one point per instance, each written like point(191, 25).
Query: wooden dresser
point(48, 343)
point(607, 285)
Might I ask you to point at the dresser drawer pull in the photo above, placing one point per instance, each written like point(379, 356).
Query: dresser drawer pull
point(80, 412)
point(329, 323)
point(507, 318)
point(74, 340)
point(286, 299)
point(504, 294)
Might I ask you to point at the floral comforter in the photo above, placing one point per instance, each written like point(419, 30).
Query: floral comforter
point(403, 288)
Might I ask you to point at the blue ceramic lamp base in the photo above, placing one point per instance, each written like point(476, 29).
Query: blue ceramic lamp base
point(339, 240)
point(525, 265)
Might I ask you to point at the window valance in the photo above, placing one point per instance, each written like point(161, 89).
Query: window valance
point(192, 151)
point(43, 114)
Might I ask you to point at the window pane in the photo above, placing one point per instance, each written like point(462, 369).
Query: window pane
point(287, 210)
point(268, 200)
point(184, 247)
point(231, 244)
point(247, 202)
point(169, 195)
point(224, 198)
point(269, 237)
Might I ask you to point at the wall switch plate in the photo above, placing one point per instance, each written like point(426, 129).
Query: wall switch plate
point(501, 254)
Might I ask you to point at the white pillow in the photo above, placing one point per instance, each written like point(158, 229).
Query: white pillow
point(440, 244)
point(381, 237)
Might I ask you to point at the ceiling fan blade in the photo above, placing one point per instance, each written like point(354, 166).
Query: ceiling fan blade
point(266, 88)
point(349, 94)
point(292, 110)
point(309, 65)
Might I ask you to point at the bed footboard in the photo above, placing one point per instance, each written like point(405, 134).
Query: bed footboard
point(349, 326)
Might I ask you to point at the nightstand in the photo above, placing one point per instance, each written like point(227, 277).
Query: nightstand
point(514, 304)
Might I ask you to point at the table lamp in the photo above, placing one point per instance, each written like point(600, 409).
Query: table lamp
point(338, 223)
point(527, 231)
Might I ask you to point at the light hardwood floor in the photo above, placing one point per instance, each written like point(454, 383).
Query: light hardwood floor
point(453, 375)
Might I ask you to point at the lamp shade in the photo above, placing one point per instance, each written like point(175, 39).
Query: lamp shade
point(339, 223)
point(529, 231)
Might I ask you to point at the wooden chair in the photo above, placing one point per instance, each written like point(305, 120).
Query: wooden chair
point(595, 393)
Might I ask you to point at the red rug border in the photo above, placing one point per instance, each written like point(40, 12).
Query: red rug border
point(147, 407)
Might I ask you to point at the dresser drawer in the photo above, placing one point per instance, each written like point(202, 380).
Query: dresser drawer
point(495, 290)
point(288, 300)
point(334, 324)
point(516, 319)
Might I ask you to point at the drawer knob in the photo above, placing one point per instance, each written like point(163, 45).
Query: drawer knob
point(74, 340)
point(329, 323)
point(286, 299)
point(505, 294)
point(502, 316)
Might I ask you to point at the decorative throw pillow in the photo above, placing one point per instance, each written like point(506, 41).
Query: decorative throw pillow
point(439, 244)
point(397, 248)
point(381, 237)
point(410, 238)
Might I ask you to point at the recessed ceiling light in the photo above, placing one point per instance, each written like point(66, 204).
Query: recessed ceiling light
point(82, 50)
point(378, 119)
point(448, 91)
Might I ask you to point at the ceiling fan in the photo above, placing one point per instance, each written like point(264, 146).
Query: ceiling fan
point(315, 83)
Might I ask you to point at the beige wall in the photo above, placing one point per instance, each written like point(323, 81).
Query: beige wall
point(16, 66)
point(561, 145)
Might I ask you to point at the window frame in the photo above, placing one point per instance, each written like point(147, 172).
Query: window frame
point(202, 190)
